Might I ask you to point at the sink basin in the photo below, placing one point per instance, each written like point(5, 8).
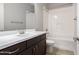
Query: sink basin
point(25, 35)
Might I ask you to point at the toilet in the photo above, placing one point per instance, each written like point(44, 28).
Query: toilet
point(50, 45)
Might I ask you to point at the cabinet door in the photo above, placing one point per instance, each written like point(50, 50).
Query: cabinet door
point(36, 50)
point(42, 47)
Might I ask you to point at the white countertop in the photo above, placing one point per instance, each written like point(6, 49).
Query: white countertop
point(9, 40)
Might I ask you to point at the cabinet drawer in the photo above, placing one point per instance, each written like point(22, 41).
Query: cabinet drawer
point(15, 49)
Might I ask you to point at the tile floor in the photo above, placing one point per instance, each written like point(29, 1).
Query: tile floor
point(57, 51)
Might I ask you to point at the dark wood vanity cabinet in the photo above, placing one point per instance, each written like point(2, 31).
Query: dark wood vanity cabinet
point(14, 50)
point(34, 46)
point(40, 48)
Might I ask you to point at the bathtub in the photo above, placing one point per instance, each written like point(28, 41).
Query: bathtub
point(64, 43)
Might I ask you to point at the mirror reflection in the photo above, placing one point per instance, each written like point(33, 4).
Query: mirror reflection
point(13, 15)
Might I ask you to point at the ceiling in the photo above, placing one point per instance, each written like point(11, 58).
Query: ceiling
point(52, 5)
point(56, 5)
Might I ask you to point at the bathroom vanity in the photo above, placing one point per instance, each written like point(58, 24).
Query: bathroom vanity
point(31, 45)
point(77, 43)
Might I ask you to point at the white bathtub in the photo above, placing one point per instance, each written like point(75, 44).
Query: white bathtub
point(65, 43)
